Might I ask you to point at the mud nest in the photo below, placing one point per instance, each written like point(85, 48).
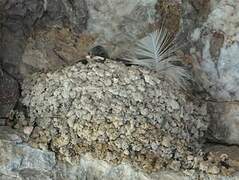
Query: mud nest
point(116, 113)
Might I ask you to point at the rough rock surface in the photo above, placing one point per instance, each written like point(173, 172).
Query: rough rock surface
point(116, 23)
point(19, 161)
point(210, 24)
point(113, 24)
point(18, 18)
point(9, 93)
point(215, 53)
point(219, 39)
point(16, 23)
point(116, 112)
point(224, 116)
point(53, 48)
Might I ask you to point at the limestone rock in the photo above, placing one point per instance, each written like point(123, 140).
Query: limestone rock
point(215, 54)
point(224, 122)
point(114, 22)
point(219, 46)
point(18, 160)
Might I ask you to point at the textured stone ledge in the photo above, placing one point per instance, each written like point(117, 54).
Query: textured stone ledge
point(18, 161)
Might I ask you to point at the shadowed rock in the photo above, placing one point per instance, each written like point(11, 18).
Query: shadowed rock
point(9, 93)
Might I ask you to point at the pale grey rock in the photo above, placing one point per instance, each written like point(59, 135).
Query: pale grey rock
point(18, 159)
point(99, 170)
point(224, 122)
point(37, 159)
point(216, 53)
point(219, 39)
point(10, 177)
point(172, 176)
point(118, 22)
point(9, 134)
point(90, 168)
point(30, 174)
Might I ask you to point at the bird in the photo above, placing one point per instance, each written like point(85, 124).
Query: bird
point(98, 53)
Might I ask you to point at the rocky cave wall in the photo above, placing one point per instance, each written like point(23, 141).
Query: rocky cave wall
point(37, 37)
point(19, 19)
point(42, 35)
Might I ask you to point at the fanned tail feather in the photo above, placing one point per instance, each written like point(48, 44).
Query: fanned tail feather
point(157, 51)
